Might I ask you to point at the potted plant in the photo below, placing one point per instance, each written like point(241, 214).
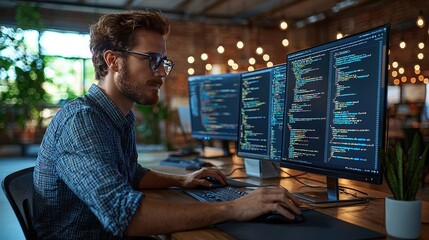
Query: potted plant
point(403, 173)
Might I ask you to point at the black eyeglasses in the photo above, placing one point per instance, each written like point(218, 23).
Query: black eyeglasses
point(155, 61)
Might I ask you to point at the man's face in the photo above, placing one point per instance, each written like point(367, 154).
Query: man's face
point(136, 80)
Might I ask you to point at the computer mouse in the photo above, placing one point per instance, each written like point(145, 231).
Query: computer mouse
point(215, 183)
point(277, 218)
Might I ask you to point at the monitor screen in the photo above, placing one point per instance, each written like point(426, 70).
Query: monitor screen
point(335, 107)
point(261, 113)
point(213, 102)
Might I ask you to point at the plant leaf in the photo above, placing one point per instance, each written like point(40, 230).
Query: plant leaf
point(416, 176)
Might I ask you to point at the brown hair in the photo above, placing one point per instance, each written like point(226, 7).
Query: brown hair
point(116, 32)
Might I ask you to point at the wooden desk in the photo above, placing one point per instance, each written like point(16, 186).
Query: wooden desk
point(369, 215)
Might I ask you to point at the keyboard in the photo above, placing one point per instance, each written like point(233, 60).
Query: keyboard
point(222, 194)
point(183, 162)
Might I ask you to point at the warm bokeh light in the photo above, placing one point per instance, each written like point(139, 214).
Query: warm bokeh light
point(204, 56)
point(421, 78)
point(259, 50)
point(396, 81)
point(403, 79)
point(209, 67)
point(250, 68)
point(416, 67)
point(266, 57)
point(420, 22)
point(395, 64)
point(191, 71)
point(401, 70)
point(402, 44)
point(413, 80)
point(234, 66)
point(340, 35)
point(283, 25)
point(252, 61)
point(240, 44)
point(285, 42)
point(426, 80)
point(420, 56)
point(230, 62)
point(417, 71)
point(270, 64)
point(421, 45)
point(191, 59)
point(394, 73)
point(220, 49)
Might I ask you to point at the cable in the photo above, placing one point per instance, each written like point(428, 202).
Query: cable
point(233, 170)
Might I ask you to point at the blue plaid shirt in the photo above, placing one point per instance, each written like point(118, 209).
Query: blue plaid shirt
point(86, 174)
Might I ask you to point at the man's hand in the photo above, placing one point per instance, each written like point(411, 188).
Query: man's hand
point(264, 200)
point(197, 178)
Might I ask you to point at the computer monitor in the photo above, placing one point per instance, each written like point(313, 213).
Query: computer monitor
point(261, 119)
point(335, 109)
point(213, 101)
point(261, 113)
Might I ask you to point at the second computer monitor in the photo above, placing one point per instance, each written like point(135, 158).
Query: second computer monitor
point(261, 113)
point(213, 101)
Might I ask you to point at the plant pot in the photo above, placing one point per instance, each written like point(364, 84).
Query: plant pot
point(403, 218)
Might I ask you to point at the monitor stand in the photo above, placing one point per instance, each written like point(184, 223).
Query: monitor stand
point(331, 195)
point(261, 168)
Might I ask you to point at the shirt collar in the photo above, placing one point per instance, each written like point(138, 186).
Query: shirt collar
point(108, 106)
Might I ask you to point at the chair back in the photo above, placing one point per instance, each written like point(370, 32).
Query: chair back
point(18, 188)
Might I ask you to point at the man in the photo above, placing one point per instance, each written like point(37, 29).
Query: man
point(88, 184)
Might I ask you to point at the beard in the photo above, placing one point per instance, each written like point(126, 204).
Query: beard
point(133, 91)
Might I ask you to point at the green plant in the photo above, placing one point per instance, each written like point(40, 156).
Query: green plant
point(149, 130)
point(403, 172)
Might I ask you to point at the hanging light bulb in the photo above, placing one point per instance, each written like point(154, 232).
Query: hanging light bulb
point(402, 44)
point(420, 20)
point(285, 42)
point(191, 71)
point(209, 67)
point(339, 35)
point(420, 56)
point(259, 50)
point(220, 49)
point(191, 59)
point(204, 56)
point(283, 24)
point(401, 70)
point(266, 57)
point(421, 45)
point(240, 44)
point(395, 64)
point(252, 61)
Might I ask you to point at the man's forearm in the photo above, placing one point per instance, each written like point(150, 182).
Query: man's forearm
point(159, 217)
point(156, 180)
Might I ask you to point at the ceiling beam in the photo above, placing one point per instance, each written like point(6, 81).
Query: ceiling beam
point(257, 10)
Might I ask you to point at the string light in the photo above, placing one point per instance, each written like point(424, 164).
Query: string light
point(285, 42)
point(252, 61)
point(413, 80)
point(394, 73)
point(240, 44)
point(395, 64)
point(283, 24)
point(403, 79)
point(417, 71)
point(270, 64)
point(396, 81)
point(209, 67)
point(402, 44)
point(220, 49)
point(421, 45)
point(339, 35)
point(191, 59)
point(420, 20)
point(230, 62)
point(259, 50)
point(401, 70)
point(266, 57)
point(420, 56)
point(250, 68)
point(234, 66)
point(416, 67)
point(191, 71)
point(204, 56)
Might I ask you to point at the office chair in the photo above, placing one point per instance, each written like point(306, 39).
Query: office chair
point(18, 188)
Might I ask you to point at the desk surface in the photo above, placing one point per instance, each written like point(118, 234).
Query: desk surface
point(369, 215)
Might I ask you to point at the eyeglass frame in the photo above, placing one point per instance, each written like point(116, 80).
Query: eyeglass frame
point(155, 66)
